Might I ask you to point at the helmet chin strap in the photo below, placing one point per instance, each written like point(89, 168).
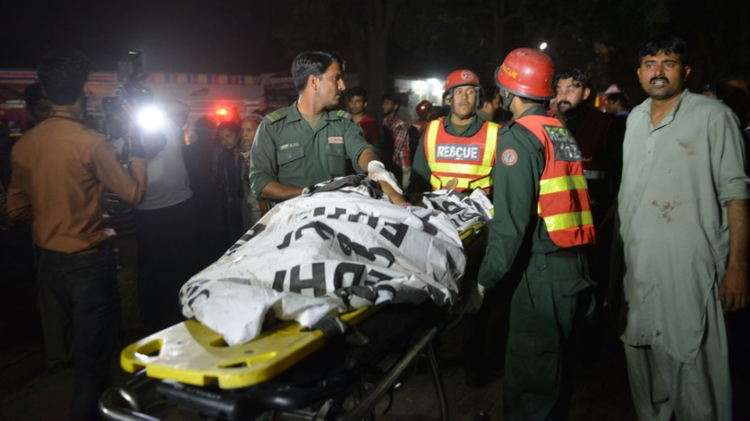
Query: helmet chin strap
point(506, 100)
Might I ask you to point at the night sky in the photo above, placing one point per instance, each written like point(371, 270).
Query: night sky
point(238, 37)
point(175, 36)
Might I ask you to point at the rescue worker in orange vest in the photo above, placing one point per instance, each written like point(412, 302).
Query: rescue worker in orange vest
point(460, 145)
point(542, 221)
point(458, 151)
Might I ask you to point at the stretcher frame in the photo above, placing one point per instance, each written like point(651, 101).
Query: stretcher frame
point(125, 403)
point(176, 385)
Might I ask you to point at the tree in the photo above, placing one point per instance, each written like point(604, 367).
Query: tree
point(362, 27)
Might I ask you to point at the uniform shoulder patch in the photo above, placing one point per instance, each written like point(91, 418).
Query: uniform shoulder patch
point(343, 114)
point(509, 157)
point(275, 116)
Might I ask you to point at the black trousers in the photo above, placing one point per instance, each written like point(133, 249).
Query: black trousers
point(167, 244)
point(85, 285)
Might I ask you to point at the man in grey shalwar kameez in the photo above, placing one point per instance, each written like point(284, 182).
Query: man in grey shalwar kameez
point(684, 213)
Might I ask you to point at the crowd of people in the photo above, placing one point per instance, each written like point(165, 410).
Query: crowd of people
point(644, 210)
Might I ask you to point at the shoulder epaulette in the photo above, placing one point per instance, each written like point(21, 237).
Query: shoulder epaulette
point(506, 128)
point(343, 114)
point(275, 116)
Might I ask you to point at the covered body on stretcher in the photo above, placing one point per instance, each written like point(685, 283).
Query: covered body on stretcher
point(340, 251)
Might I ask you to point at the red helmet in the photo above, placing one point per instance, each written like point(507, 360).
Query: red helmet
point(527, 73)
point(461, 78)
point(423, 107)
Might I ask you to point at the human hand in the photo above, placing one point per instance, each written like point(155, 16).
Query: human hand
point(376, 170)
point(472, 301)
point(733, 290)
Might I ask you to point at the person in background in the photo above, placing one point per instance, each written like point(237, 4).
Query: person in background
point(424, 116)
point(593, 133)
point(56, 327)
point(357, 104)
point(166, 247)
point(591, 129)
point(60, 172)
point(617, 105)
point(201, 161)
point(425, 112)
point(490, 104)
point(396, 130)
point(711, 90)
point(231, 179)
point(734, 91)
point(252, 208)
point(39, 108)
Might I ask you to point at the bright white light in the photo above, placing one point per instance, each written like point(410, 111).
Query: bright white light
point(436, 85)
point(150, 118)
point(543, 46)
point(419, 86)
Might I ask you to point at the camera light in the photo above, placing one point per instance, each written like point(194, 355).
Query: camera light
point(150, 118)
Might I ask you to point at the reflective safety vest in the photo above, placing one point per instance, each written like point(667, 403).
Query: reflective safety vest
point(563, 194)
point(468, 159)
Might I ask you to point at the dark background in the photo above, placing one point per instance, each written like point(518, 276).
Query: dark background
point(379, 38)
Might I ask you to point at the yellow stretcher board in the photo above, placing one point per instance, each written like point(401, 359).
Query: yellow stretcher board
point(191, 353)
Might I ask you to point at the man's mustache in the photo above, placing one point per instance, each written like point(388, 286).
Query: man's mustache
point(658, 78)
point(559, 103)
point(340, 92)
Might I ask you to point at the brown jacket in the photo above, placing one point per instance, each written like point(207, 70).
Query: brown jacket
point(60, 171)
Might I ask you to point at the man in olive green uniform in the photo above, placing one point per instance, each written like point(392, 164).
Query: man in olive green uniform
point(303, 144)
point(542, 219)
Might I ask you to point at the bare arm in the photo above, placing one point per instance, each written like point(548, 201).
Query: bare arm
point(733, 290)
point(395, 197)
point(365, 157)
point(279, 192)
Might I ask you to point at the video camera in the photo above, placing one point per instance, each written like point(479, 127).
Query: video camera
point(131, 115)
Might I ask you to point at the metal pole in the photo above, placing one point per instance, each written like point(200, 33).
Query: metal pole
point(392, 376)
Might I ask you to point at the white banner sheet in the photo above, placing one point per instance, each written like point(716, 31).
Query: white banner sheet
point(329, 251)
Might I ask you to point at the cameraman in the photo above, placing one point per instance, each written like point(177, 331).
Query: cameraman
point(60, 172)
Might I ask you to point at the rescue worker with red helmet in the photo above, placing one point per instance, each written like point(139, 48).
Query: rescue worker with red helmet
point(541, 223)
point(423, 115)
point(460, 145)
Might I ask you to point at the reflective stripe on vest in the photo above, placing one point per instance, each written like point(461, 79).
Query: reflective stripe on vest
point(563, 193)
point(468, 159)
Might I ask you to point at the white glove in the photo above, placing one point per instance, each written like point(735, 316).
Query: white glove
point(376, 170)
point(473, 300)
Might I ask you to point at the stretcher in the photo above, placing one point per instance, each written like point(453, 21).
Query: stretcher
point(345, 366)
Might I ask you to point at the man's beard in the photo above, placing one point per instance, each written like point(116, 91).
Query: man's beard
point(571, 111)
